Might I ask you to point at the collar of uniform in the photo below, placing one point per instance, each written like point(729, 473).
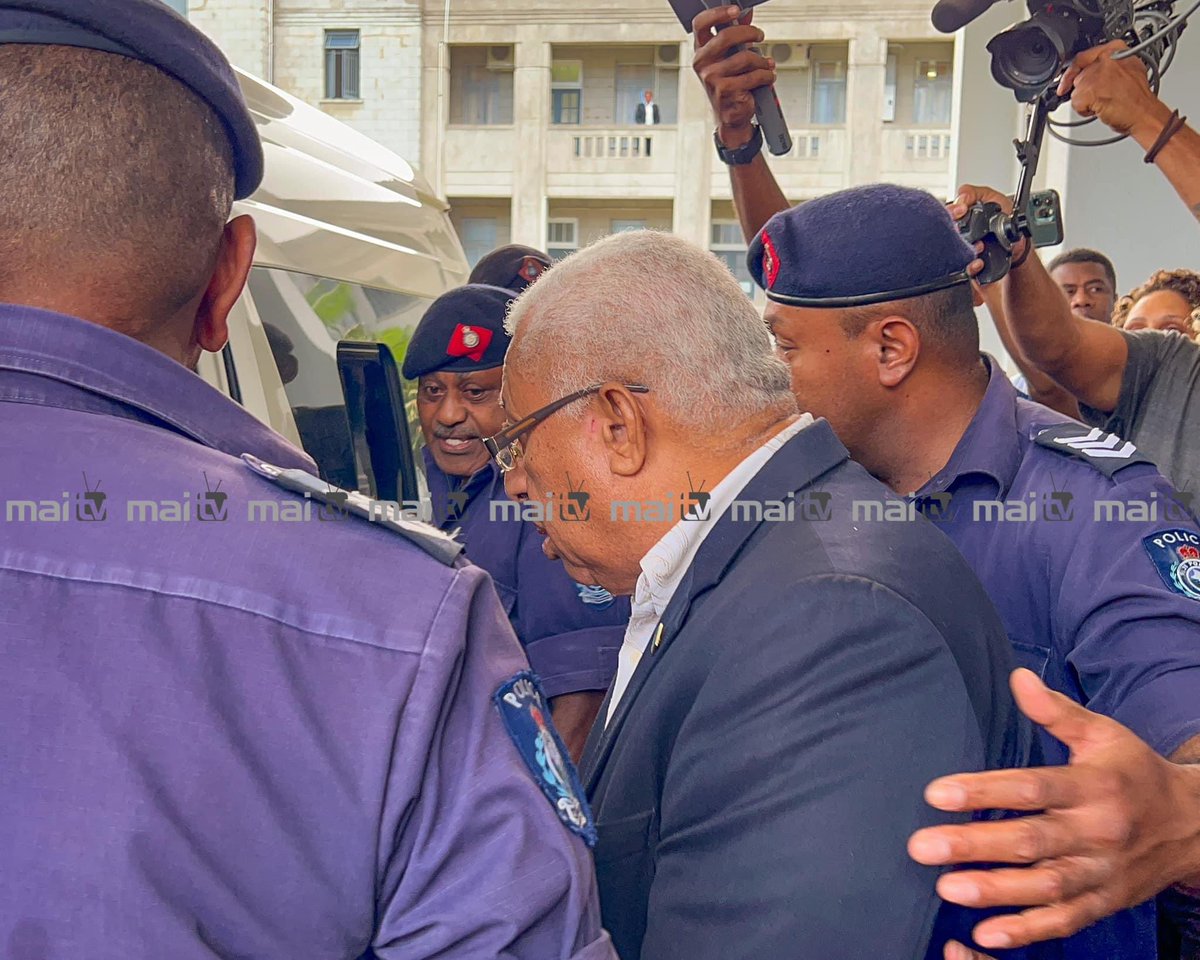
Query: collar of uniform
point(991, 445)
point(99, 361)
point(665, 565)
point(441, 485)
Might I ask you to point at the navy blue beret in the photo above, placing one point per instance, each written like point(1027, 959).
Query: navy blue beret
point(857, 247)
point(513, 267)
point(463, 330)
point(149, 31)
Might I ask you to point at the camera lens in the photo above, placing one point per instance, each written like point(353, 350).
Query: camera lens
point(1030, 55)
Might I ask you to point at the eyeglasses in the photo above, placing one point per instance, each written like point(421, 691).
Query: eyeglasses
point(505, 447)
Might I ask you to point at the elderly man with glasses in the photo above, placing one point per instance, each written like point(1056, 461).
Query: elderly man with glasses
point(792, 675)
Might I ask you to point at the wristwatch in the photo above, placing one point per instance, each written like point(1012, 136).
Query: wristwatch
point(743, 154)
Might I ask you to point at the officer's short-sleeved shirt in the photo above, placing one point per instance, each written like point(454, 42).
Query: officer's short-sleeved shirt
point(1086, 551)
point(1159, 404)
point(235, 725)
point(572, 633)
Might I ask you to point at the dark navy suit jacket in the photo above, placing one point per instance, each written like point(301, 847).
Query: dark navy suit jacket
point(757, 784)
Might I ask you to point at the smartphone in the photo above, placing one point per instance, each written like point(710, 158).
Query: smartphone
point(1044, 217)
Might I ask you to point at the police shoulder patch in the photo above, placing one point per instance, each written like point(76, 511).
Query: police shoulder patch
point(1106, 452)
point(1176, 556)
point(526, 717)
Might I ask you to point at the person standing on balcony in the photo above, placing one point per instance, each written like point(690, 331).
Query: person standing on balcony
point(647, 111)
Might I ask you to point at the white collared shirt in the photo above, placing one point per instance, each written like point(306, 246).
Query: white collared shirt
point(668, 560)
point(649, 121)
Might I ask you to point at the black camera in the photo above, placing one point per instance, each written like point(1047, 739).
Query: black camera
point(1028, 57)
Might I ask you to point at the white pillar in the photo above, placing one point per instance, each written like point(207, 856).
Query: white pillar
point(866, 84)
point(695, 154)
point(531, 116)
point(435, 104)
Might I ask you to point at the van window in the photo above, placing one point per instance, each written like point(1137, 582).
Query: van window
point(305, 317)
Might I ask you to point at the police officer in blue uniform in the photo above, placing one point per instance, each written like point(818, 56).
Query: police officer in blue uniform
point(1091, 557)
point(227, 727)
point(513, 266)
point(571, 632)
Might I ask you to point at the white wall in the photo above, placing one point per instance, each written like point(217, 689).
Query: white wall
point(239, 28)
point(283, 41)
point(1116, 203)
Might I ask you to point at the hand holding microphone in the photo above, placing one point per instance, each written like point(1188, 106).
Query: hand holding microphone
point(738, 79)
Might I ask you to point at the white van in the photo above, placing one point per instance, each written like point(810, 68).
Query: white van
point(352, 245)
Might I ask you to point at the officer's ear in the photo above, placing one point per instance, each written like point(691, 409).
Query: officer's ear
point(234, 260)
point(899, 345)
point(622, 427)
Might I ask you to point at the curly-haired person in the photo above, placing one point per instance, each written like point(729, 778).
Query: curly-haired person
point(1168, 301)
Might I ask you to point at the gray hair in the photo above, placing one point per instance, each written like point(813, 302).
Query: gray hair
point(650, 308)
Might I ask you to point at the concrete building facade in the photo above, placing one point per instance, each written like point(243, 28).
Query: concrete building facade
point(523, 116)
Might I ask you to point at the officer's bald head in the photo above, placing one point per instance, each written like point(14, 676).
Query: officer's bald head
point(117, 183)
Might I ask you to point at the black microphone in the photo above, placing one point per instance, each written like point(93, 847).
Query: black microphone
point(952, 15)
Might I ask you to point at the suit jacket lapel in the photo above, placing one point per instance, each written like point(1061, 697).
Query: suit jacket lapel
point(603, 736)
point(811, 453)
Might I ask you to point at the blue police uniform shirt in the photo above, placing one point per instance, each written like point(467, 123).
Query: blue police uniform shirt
point(572, 633)
point(1089, 604)
point(240, 737)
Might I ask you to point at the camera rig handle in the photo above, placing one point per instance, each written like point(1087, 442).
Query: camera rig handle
point(987, 222)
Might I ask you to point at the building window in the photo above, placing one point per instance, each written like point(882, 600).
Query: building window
point(729, 247)
point(632, 82)
point(341, 65)
point(829, 92)
point(562, 238)
point(933, 93)
point(481, 86)
point(479, 238)
point(566, 91)
point(624, 226)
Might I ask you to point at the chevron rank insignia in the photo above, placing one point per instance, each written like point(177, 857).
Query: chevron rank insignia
point(1106, 452)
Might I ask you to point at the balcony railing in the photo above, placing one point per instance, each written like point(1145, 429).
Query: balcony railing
point(917, 157)
point(934, 145)
point(613, 146)
point(807, 146)
point(817, 163)
point(605, 161)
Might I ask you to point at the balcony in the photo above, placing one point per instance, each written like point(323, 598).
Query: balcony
point(816, 164)
point(917, 157)
point(479, 161)
point(602, 162)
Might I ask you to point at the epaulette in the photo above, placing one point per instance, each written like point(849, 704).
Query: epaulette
point(442, 547)
point(1104, 452)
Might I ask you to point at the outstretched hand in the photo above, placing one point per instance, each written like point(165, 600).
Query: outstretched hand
point(1111, 830)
